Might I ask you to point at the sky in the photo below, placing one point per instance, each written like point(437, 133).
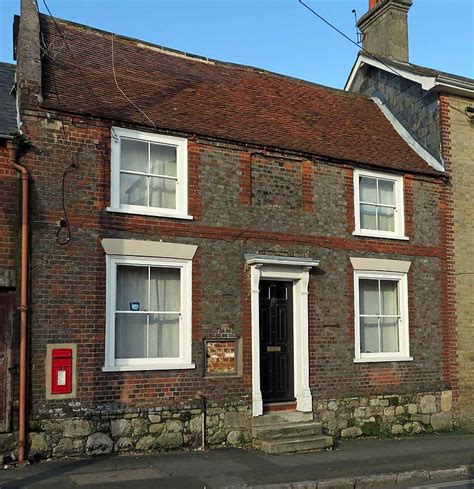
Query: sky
point(277, 35)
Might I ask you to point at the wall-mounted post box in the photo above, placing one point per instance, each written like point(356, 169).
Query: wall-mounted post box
point(61, 371)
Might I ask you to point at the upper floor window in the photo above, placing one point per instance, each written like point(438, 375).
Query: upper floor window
point(378, 200)
point(149, 174)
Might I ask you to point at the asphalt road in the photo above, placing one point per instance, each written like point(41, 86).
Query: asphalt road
point(224, 467)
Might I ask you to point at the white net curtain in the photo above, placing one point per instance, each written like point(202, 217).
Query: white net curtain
point(379, 315)
point(148, 306)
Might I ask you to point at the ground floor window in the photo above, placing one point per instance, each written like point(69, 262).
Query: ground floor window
point(381, 316)
point(148, 313)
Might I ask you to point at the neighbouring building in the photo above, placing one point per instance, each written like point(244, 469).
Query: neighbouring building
point(436, 109)
point(8, 255)
point(211, 242)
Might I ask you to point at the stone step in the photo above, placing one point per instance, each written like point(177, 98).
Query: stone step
point(278, 431)
point(296, 444)
point(282, 418)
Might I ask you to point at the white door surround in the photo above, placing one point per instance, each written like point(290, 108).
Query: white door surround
point(291, 269)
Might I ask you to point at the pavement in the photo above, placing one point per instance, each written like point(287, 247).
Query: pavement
point(421, 461)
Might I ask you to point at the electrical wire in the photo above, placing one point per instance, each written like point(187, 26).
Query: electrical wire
point(362, 48)
point(347, 37)
point(71, 52)
point(122, 92)
point(64, 223)
point(463, 112)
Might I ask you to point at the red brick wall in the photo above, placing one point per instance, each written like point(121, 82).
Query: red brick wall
point(8, 215)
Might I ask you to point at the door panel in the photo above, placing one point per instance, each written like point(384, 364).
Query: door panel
point(276, 341)
point(6, 315)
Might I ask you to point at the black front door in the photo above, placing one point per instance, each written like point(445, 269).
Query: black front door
point(276, 341)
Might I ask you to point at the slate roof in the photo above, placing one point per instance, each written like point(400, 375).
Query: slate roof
point(7, 100)
point(194, 95)
point(423, 70)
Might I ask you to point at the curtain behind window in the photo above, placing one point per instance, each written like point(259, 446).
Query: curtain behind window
point(153, 330)
point(165, 295)
point(379, 316)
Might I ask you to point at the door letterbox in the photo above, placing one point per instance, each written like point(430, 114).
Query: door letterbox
point(61, 375)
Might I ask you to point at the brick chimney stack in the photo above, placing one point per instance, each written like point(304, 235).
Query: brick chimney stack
point(28, 54)
point(385, 28)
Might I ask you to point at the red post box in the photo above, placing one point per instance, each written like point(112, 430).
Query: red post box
point(61, 375)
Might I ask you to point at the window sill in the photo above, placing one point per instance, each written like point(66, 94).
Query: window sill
point(127, 368)
point(150, 212)
point(376, 235)
point(386, 359)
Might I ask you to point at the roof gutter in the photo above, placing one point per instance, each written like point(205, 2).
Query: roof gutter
point(451, 85)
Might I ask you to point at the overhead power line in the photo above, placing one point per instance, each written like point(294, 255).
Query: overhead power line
point(332, 26)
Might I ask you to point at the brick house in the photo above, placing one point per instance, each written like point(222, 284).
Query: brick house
point(211, 242)
point(437, 110)
point(8, 234)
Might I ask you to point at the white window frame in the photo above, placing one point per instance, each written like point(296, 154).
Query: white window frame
point(185, 318)
point(403, 326)
point(181, 144)
point(399, 217)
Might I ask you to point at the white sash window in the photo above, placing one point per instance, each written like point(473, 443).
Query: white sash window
point(149, 174)
point(378, 203)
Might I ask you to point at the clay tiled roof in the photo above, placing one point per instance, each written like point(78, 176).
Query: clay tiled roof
point(194, 95)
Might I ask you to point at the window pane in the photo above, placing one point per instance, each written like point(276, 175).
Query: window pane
point(133, 189)
point(389, 297)
point(130, 335)
point(368, 190)
point(369, 335)
point(133, 155)
point(132, 286)
point(369, 296)
point(163, 193)
point(368, 218)
point(389, 334)
point(163, 159)
point(277, 290)
point(163, 336)
point(386, 219)
point(386, 192)
point(165, 293)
